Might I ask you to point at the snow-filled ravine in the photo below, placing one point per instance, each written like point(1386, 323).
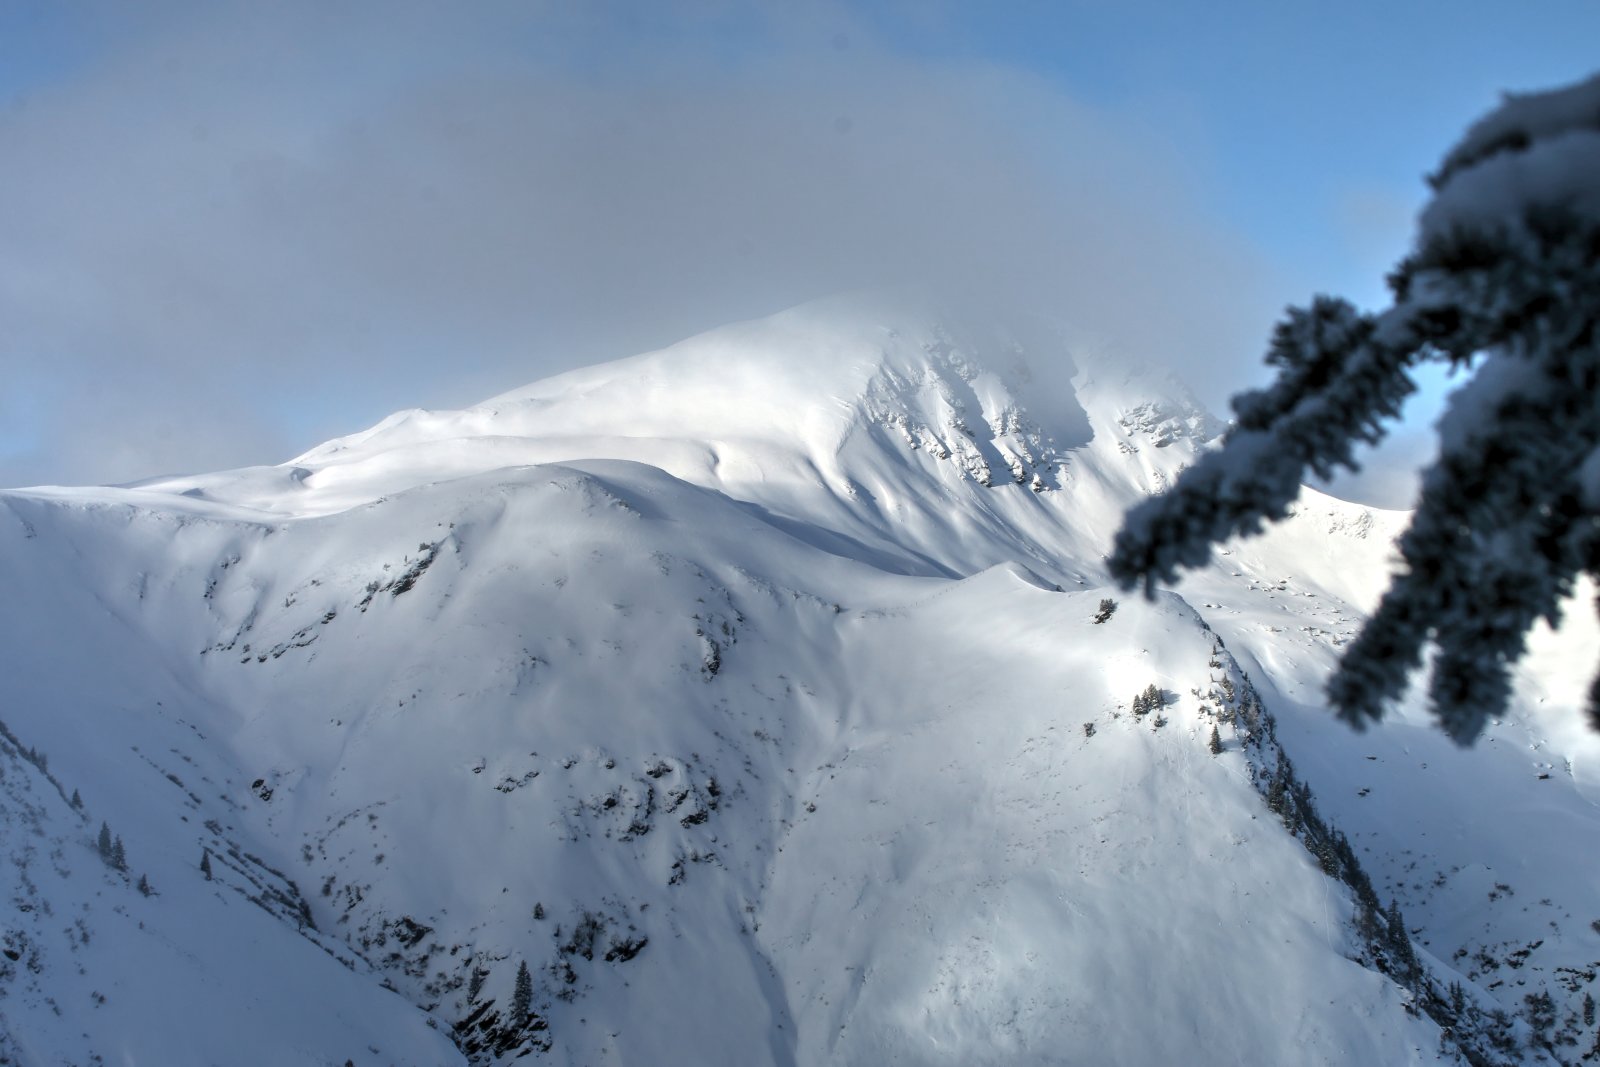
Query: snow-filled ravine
point(754, 702)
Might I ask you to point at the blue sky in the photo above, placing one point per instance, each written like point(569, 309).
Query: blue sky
point(232, 230)
point(1313, 123)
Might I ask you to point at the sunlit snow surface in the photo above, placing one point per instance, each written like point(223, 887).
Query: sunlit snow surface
point(760, 665)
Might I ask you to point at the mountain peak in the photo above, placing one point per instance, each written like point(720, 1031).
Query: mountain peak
point(837, 393)
point(766, 686)
point(919, 431)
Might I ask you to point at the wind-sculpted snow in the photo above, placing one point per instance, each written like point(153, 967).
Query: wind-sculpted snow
point(751, 696)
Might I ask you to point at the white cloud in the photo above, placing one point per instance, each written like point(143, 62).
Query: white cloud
point(257, 226)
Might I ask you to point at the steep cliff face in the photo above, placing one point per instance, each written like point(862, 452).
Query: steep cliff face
point(742, 702)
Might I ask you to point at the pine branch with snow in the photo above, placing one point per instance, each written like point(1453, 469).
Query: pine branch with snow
point(1505, 275)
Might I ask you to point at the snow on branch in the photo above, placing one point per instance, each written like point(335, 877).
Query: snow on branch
point(1505, 274)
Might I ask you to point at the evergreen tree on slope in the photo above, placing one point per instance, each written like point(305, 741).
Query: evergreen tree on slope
point(522, 996)
point(1504, 278)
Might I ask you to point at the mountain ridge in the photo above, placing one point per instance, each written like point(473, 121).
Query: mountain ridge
point(800, 747)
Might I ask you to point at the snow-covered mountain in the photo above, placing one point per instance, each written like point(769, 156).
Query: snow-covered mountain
point(757, 697)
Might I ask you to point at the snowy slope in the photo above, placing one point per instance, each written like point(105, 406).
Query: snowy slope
point(1485, 848)
point(749, 693)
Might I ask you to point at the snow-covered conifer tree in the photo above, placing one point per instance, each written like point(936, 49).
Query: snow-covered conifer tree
point(1504, 278)
point(522, 995)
